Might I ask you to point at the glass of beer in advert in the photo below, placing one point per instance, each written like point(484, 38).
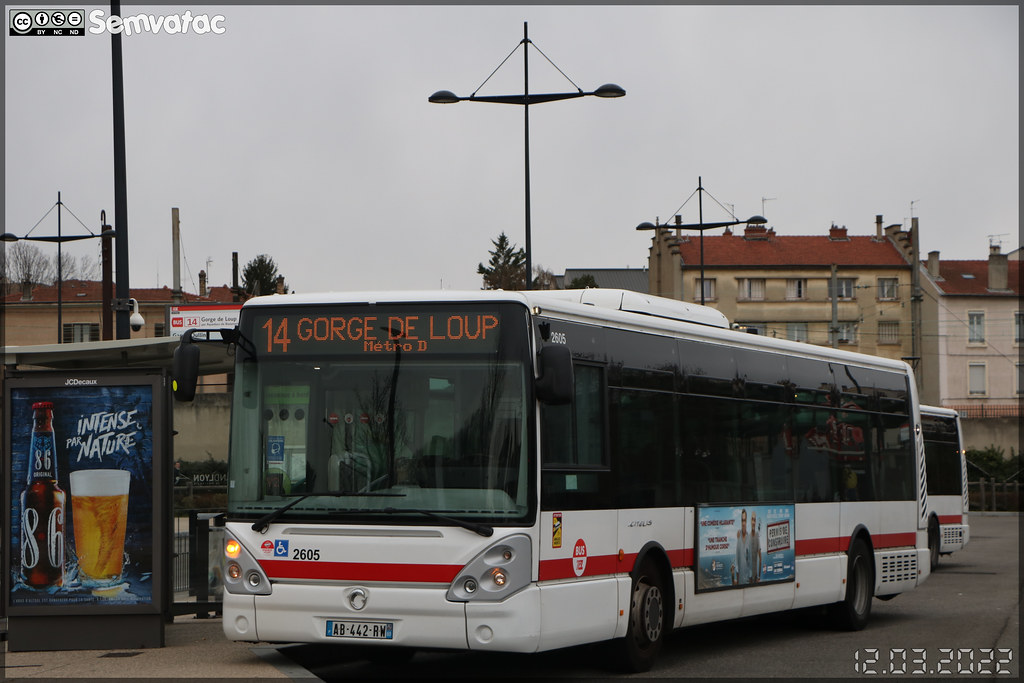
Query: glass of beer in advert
point(99, 514)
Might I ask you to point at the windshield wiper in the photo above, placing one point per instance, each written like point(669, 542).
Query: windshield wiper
point(482, 529)
point(263, 522)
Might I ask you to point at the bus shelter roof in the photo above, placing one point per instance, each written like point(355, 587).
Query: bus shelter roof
point(107, 355)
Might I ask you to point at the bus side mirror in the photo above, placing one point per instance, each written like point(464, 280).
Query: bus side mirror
point(555, 385)
point(185, 368)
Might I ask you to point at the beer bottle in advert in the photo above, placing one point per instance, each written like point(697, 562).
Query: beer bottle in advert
point(42, 507)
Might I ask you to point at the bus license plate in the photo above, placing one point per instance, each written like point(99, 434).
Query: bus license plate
point(370, 630)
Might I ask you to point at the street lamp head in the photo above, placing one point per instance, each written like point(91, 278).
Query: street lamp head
point(108, 232)
point(610, 90)
point(647, 225)
point(757, 220)
point(444, 97)
point(8, 237)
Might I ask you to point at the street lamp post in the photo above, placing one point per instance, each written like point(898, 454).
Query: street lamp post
point(607, 90)
point(701, 226)
point(59, 239)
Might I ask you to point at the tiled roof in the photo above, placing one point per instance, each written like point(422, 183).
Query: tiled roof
point(971, 277)
point(92, 290)
point(733, 249)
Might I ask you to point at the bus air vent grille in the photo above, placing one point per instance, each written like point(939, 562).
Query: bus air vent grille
point(897, 567)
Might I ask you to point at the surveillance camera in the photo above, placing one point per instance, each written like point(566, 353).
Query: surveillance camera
point(136, 321)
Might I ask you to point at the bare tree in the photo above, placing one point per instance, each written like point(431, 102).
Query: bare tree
point(76, 268)
point(543, 278)
point(26, 263)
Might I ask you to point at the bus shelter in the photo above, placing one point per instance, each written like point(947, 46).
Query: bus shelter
point(88, 451)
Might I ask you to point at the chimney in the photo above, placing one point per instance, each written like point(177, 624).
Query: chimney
point(998, 269)
point(26, 291)
point(234, 276)
point(878, 227)
point(836, 233)
point(933, 264)
point(202, 283)
point(280, 284)
point(176, 257)
point(755, 232)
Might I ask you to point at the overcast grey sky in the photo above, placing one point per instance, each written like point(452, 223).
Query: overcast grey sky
point(305, 133)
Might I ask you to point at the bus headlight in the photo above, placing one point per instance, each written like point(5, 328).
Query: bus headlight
point(242, 573)
point(501, 570)
point(498, 577)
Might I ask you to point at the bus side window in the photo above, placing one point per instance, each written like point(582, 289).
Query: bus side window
point(573, 435)
point(574, 460)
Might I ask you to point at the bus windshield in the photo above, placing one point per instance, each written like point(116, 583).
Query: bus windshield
point(385, 414)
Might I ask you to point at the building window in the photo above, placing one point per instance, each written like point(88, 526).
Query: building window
point(847, 333)
point(751, 289)
point(976, 327)
point(796, 288)
point(796, 332)
point(844, 287)
point(80, 332)
point(888, 332)
point(976, 379)
point(159, 330)
point(1018, 327)
point(708, 287)
point(888, 288)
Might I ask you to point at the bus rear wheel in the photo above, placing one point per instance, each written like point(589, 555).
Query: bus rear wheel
point(647, 621)
point(933, 543)
point(851, 614)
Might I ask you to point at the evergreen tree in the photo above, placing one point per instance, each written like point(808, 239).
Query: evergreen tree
point(260, 276)
point(582, 282)
point(506, 268)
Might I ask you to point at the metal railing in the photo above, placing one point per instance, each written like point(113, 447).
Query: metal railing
point(989, 495)
point(197, 581)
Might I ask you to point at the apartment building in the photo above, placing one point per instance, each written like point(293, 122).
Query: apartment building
point(850, 291)
point(979, 336)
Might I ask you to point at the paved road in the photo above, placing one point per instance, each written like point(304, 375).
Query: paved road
point(964, 620)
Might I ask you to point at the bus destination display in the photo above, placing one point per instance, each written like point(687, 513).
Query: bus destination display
point(419, 332)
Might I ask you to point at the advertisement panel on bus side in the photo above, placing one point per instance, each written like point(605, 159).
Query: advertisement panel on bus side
point(744, 545)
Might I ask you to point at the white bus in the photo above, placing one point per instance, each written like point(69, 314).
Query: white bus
point(525, 471)
point(948, 530)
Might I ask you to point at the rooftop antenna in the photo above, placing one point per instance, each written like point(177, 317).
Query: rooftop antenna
point(209, 260)
point(766, 199)
point(993, 242)
point(912, 202)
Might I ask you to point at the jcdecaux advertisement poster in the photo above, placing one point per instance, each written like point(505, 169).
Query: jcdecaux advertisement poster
point(81, 493)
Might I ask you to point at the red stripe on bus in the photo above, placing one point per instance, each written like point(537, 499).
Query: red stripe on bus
point(894, 540)
point(561, 568)
point(951, 519)
point(360, 571)
point(822, 546)
point(549, 570)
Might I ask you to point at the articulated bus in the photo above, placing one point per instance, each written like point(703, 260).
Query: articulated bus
point(946, 460)
point(525, 471)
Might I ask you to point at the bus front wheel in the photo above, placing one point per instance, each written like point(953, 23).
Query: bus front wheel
point(851, 614)
point(646, 632)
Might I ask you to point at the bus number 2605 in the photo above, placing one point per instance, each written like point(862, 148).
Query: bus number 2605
point(305, 554)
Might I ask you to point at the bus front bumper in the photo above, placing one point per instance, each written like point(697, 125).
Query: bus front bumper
point(385, 616)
